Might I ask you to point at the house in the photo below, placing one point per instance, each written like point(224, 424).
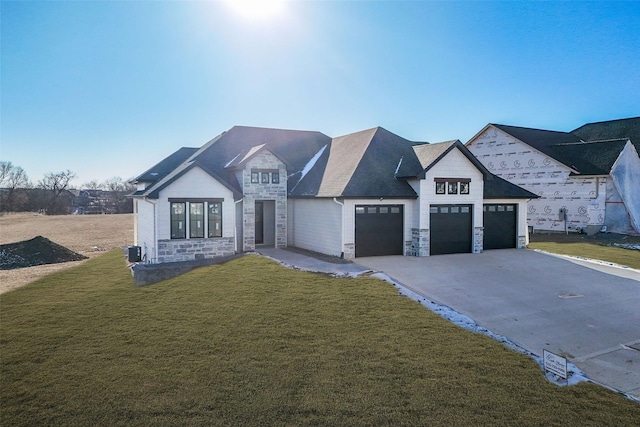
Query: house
point(587, 179)
point(363, 194)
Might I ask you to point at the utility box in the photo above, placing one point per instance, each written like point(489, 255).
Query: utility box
point(135, 254)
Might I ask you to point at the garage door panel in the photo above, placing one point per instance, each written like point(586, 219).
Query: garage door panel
point(500, 225)
point(379, 230)
point(451, 229)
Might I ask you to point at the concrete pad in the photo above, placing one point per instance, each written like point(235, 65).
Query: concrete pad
point(538, 301)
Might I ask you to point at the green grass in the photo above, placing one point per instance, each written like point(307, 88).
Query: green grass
point(628, 257)
point(252, 343)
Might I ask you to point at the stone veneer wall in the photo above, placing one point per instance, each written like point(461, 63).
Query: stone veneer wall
point(478, 240)
point(419, 242)
point(259, 191)
point(349, 250)
point(194, 249)
point(522, 242)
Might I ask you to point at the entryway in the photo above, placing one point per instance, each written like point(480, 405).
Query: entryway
point(265, 222)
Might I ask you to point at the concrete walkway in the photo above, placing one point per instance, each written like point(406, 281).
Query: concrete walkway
point(310, 263)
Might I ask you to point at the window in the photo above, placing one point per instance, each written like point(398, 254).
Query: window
point(255, 177)
point(265, 177)
point(464, 188)
point(196, 226)
point(196, 220)
point(275, 178)
point(452, 187)
point(215, 219)
point(178, 219)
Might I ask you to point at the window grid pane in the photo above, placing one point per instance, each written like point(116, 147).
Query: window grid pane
point(178, 217)
point(196, 220)
point(215, 220)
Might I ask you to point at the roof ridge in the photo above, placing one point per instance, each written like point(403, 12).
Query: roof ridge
point(530, 128)
point(593, 142)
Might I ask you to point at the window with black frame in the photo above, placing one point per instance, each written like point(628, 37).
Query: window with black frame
point(178, 220)
point(196, 220)
point(215, 219)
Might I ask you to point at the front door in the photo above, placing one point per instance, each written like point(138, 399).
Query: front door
point(259, 223)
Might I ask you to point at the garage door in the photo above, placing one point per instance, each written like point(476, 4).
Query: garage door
point(451, 229)
point(379, 230)
point(500, 226)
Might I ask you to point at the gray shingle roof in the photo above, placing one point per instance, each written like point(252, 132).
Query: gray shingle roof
point(589, 158)
point(165, 166)
point(373, 163)
point(605, 141)
point(541, 140)
point(612, 129)
point(498, 188)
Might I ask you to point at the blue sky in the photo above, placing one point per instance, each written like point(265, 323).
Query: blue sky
point(109, 88)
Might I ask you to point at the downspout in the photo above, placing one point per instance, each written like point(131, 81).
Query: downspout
point(235, 226)
point(154, 249)
point(335, 199)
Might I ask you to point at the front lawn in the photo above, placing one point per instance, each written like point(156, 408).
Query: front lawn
point(599, 247)
point(252, 343)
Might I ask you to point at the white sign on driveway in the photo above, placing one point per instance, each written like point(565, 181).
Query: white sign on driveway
point(555, 364)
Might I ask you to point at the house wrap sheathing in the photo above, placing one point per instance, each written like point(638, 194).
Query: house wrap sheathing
point(623, 201)
point(583, 186)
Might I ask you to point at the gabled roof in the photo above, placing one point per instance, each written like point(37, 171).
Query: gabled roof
point(168, 164)
point(583, 158)
point(361, 164)
point(291, 146)
point(430, 154)
point(498, 188)
point(245, 156)
point(612, 129)
point(541, 140)
point(589, 158)
point(373, 163)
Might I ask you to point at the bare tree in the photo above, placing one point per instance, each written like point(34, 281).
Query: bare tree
point(93, 185)
point(56, 184)
point(13, 180)
point(119, 190)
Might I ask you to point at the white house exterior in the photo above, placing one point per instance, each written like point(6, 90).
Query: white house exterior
point(364, 194)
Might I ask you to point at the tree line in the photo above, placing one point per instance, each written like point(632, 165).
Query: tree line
point(53, 194)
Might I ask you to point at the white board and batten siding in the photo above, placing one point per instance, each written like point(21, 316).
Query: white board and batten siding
point(145, 228)
point(196, 183)
point(523, 165)
point(316, 225)
point(453, 165)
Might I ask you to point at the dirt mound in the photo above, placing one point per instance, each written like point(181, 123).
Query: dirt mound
point(37, 251)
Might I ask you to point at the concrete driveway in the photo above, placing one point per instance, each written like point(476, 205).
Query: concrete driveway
point(539, 301)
